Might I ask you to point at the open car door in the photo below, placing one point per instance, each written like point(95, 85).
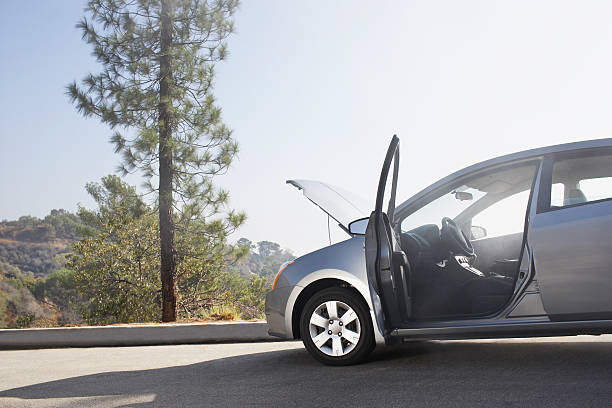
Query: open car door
point(387, 265)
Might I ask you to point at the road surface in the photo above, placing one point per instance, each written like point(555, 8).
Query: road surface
point(561, 372)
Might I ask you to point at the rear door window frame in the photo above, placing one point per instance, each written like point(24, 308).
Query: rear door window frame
point(545, 187)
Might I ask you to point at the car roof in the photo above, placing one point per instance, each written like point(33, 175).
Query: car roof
point(508, 158)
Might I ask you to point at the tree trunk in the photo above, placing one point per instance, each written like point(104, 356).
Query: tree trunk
point(166, 172)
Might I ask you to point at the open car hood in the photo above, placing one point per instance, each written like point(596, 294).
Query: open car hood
point(341, 205)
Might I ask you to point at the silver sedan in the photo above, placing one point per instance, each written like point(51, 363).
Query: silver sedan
point(519, 245)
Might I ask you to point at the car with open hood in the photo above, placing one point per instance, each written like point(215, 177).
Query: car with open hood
point(515, 246)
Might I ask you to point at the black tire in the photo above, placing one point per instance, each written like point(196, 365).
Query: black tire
point(366, 342)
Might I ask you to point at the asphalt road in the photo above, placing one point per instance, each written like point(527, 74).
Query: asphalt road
point(563, 372)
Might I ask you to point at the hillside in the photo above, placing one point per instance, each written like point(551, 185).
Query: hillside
point(37, 291)
point(36, 245)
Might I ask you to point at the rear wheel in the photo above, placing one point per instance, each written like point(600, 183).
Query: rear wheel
point(336, 327)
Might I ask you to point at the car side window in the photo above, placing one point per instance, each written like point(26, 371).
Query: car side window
point(492, 203)
point(581, 180)
point(504, 217)
point(556, 195)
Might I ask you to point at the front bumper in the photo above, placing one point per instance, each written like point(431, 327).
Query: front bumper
point(276, 308)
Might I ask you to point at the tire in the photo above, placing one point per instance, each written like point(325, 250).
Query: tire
point(338, 348)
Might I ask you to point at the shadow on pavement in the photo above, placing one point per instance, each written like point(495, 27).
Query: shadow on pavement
point(422, 374)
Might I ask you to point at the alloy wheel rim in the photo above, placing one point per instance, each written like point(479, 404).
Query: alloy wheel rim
point(335, 328)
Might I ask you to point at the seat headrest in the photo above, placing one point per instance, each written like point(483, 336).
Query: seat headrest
point(574, 196)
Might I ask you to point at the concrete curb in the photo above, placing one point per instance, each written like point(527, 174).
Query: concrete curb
point(135, 335)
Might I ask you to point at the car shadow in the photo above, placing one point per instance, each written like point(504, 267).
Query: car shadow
point(420, 374)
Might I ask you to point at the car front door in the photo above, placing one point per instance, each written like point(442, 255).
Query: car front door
point(572, 236)
point(387, 266)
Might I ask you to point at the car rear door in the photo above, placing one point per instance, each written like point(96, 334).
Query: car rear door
point(572, 235)
point(387, 266)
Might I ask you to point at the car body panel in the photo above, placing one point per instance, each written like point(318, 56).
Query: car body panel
point(276, 307)
point(510, 328)
point(530, 305)
point(344, 261)
point(572, 256)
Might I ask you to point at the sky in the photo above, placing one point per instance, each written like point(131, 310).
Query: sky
point(315, 90)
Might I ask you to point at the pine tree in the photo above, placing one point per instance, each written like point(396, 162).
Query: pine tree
point(155, 92)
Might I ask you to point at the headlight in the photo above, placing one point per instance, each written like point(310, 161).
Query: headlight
point(282, 268)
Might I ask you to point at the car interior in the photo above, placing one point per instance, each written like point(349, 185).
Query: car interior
point(458, 268)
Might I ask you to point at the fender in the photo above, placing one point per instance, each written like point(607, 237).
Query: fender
point(339, 274)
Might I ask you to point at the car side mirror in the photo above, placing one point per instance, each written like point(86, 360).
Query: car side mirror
point(478, 232)
point(358, 227)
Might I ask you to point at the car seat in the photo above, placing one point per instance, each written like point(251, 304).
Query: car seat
point(574, 196)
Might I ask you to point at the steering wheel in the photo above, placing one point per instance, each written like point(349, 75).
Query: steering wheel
point(455, 239)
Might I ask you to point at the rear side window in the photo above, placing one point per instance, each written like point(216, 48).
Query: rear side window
point(597, 188)
point(581, 180)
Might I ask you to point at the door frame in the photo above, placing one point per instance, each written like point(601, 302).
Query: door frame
point(545, 186)
point(526, 271)
point(386, 264)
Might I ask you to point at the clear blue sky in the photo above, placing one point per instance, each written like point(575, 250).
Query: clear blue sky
point(315, 89)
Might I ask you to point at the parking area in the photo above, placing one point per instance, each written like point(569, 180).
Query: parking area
point(542, 372)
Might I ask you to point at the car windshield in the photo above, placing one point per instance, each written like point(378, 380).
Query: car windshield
point(450, 204)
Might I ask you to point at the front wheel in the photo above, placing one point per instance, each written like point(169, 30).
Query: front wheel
point(336, 327)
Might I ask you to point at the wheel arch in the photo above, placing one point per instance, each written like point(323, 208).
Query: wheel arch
point(309, 291)
point(322, 279)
